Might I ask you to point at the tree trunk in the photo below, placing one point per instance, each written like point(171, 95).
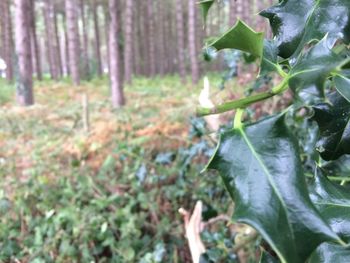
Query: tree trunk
point(129, 18)
point(118, 99)
point(49, 16)
point(58, 45)
point(86, 68)
point(97, 39)
point(73, 39)
point(151, 37)
point(8, 45)
point(233, 15)
point(34, 42)
point(22, 33)
point(66, 48)
point(162, 41)
point(192, 40)
point(106, 24)
point(180, 40)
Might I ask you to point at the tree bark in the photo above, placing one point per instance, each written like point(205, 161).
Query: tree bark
point(180, 40)
point(73, 39)
point(8, 45)
point(22, 33)
point(97, 38)
point(118, 99)
point(66, 48)
point(85, 53)
point(129, 18)
point(34, 42)
point(106, 24)
point(233, 15)
point(151, 37)
point(192, 41)
point(58, 45)
point(49, 16)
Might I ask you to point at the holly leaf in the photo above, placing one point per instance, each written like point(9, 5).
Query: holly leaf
point(241, 37)
point(342, 84)
point(333, 119)
point(261, 169)
point(308, 76)
point(205, 6)
point(331, 253)
point(333, 202)
point(339, 167)
point(269, 62)
point(297, 22)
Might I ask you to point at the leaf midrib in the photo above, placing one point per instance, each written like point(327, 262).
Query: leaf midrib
point(274, 187)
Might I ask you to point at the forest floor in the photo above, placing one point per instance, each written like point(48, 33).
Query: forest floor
point(156, 116)
point(121, 182)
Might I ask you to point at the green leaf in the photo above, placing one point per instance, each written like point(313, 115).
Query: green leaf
point(310, 72)
point(333, 202)
point(339, 167)
point(342, 84)
point(269, 62)
point(243, 38)
point(205, 6)
point(331, 253)
point(261, 169)
point(296, 22)
point(333, 119)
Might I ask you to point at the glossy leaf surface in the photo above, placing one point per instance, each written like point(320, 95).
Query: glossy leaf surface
point(311, 70)
point(333, 202)
point(296, 22)
point(333, 119)
point(261, 169)
point(241, 37)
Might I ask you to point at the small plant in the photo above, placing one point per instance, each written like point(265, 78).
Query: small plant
point(288, 177)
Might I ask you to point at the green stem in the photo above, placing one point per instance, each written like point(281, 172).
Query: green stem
point(237, 124)
point(245, 102)
point(332, 178)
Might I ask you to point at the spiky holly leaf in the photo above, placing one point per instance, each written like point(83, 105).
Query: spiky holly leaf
point(241, 37)
point(261, 169)
point(309, 74)
point(205, 6)
point(333, 119)
point(333, 202)
point(342, 84)
point(296, 22)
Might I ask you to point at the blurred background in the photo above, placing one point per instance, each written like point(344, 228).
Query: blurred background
point(99, 142)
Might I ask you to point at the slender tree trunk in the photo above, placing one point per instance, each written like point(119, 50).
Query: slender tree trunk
point(129, 18)
point(8, 45)
point(144, 33)
point(233, 15)
point(180, 40)
point(49, 17)
point(151, 37)
point(85, 41)
point(192, 40)
point(97, 38)
point(34, 42)
point(106, 24)
point(66, 48)
point(162, 41)
point(73, 39)
point(22, 33)
point(118, 99)
point(137, 58)
point(58, 45)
